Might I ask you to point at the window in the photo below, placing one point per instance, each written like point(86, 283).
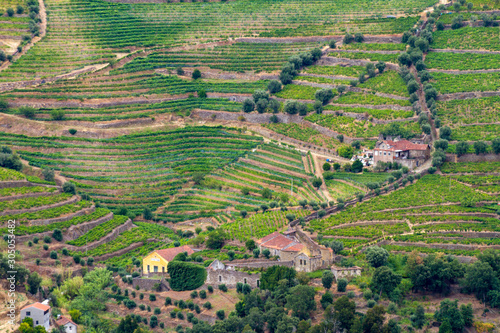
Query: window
point(389, 154)
point(36, 322)
point(155, 268)
point(28, 313)
point(148, 268)
point(163, 269)
point(258, 283)
point(220, 278)
point(301, 261)
point(305, 262)
point(384, 152)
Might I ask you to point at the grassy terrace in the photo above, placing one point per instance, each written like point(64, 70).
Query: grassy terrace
point(182, 107)
point(471, 119)
point(236, 57)
point(151, 84)
point(453, 83)
point(353, 127)
point(99, 30)
point(120, 171)
point(432, 204)
point(462, 61)
point(467, 38)
point(239, 186)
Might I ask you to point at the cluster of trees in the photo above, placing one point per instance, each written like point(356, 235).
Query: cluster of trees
point(261, 101)
point(349, 38)
point(295, 62)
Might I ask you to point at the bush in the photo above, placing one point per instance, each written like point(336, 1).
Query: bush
point(27, 111)
point(223, 287)
point(342, 285)
point(220, 314)
point(194, 294)
point(371, 303)
point(203, 294)
point(48, 174)
point(72, 131)
point(69, 187)
point(53, 255)
point(57, 114)
point(207, 305)
point(210, 289)
point(57, 235)
point(10, 12)
point(196, 74)
point(274, 86)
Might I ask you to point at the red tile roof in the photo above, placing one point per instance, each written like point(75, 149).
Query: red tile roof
point(280, 242)
point(63, 321)
point(404, 145)
point(169, 254)
point(294, 248)
point(268, 237)
point(37, 305)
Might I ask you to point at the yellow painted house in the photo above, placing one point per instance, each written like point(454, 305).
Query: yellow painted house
point(157, 261)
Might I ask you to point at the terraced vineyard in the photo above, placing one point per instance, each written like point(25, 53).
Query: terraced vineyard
point(166, 158)
point(450, 212)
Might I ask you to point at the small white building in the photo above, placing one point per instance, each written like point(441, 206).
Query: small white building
point(39, 312)
point(68, 324)
point(346, 272)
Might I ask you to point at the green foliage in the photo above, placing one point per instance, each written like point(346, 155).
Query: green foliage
point(185, 275)
point(270, 278)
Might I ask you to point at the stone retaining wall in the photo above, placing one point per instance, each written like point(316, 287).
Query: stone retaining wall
point(148, 284)
point(325, 61)
point(467, 95)
point(15, 183)
point(337, 38)
point(260, 263)
point(473, 158)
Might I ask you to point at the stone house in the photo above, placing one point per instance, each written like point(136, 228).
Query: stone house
point(296, 247)
point(156, 262)
point(219, 273)
point(404, 152)
point(67, 324)
point(39, 312)
point(345, 272)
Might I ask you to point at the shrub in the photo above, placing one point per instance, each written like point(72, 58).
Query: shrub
point(220, 314)
point(152, 297)
point(194, 294)
point(185, 275)
point(53, 255)
point(180, 315)
point(371, 303)
point(168, 301)
point(274, 86)
point(196, 74)
point(341, 285)
point(57, 114)
point(207, 305)
point(47, 239)
point(203, 294)
point(76, 258)
point(69, 187)
point(48, 174)
point(10, 12)
point(72, 131)
point(210, 289)
point(223, 287)
point(27, 111)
